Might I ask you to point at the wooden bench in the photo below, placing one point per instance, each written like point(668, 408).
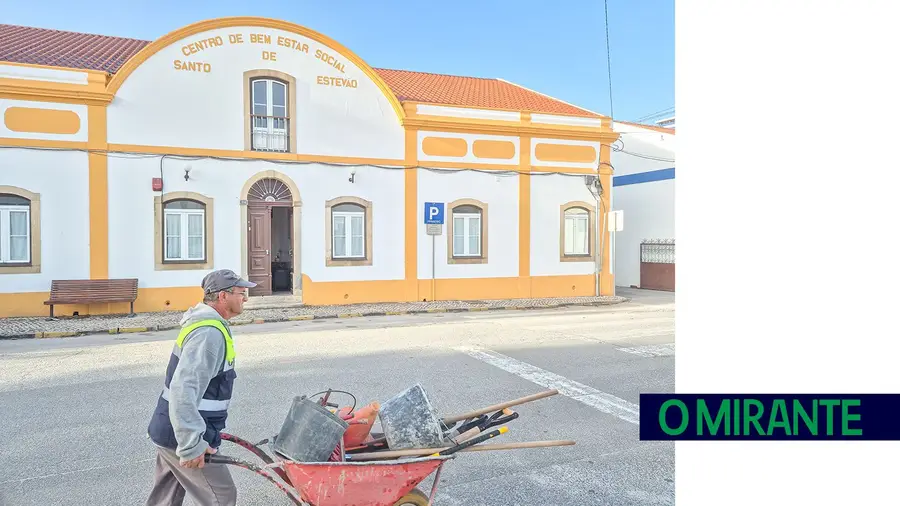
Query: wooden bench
point(92, 291)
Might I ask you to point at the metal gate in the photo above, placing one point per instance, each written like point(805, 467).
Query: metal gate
point(658, 264)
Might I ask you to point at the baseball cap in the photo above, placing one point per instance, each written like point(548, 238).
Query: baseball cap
point(223, 279)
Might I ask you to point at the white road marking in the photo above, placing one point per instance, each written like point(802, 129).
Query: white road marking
point(652, 350)
point(55, 475)
point(594, 398)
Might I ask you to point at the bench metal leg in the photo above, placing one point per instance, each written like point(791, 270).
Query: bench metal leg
point(51, 310)
point(132, 308)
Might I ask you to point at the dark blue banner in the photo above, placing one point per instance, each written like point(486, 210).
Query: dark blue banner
point(776, 417)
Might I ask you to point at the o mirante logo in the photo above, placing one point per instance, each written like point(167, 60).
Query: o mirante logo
point(769, 416)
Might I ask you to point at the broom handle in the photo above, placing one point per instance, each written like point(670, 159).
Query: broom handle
point(498, 407)
point(353, 457)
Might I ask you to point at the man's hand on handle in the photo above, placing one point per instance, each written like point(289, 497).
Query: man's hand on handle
point(198, 462)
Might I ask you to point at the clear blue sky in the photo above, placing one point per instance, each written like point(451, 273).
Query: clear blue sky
point(555, 47)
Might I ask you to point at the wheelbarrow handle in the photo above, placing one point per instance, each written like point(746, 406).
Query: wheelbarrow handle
point(222, 459)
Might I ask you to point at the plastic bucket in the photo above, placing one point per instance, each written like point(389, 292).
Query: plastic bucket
point(310, 432)
point(409, 421)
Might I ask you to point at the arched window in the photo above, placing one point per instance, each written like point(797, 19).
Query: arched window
point(468, 232)
point(348, 222)
point(183, 231)
point(269, 98)
point(349, 232)
point(15, 230)
point(184, 225)
point(576, 232)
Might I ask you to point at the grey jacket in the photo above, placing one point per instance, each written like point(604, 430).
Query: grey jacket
point(202, 356)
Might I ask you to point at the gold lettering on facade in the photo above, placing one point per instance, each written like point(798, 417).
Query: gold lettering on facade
point(332, 60)
point(293, 44)
point(192, 66)
point(340, 82)
point(196, 47)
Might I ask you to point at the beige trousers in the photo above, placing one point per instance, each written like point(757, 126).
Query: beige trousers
point(210, 486)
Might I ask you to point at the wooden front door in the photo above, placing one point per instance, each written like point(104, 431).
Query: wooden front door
point(260, 244)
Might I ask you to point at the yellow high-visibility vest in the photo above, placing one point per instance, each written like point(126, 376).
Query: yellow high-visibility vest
point(229, 343)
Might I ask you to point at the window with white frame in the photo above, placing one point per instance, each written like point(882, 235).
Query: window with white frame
point(184, 228)
point(467, 224)
point(15, 230)
point(348, 230)
point(269, 115)
point(577, 232)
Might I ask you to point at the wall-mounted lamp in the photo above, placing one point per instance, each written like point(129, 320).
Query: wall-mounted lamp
point(187, 172)
point(352, 175)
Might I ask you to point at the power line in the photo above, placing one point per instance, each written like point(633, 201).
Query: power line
point(608, 61)
point(132, 155)
point(666, 112)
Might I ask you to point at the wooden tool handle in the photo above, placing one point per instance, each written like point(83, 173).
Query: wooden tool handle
point(392, 454)
point(465, 436)
point(498, 407)
point(514, 446)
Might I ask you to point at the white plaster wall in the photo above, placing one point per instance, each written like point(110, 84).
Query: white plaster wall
point(469, 113)
point(131, 215)
point(470, 142)
point(81, 110)
point(649, 207)
point(61, 178)
point(547, 194)
point(554, 119)
point(43, 74)
point(649, 214)
point(163, 106)
point(385, 189)
point(500, 193)
point(642, 150)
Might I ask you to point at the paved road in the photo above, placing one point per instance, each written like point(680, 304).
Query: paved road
point(74, 411)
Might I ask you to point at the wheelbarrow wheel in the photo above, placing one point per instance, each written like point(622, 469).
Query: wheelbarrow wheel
point(415, 497)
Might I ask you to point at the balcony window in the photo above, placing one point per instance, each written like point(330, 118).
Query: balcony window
point(269, 119)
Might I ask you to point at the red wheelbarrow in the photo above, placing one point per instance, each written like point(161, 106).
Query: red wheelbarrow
point(367, 475)
point(369, 483)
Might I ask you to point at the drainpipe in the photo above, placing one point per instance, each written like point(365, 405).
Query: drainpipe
point(600, 236)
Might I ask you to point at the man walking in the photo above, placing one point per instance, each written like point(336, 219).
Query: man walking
point(192, 408)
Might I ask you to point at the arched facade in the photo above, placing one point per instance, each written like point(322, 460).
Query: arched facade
point(261, 146)
point(254, 84)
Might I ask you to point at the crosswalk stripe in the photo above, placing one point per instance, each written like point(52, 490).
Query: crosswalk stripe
point(585, 394)
point(652, 350)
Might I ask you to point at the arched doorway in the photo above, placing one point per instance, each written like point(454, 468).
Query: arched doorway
point(270, 237)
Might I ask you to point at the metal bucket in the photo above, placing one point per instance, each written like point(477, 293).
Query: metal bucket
point(310, 432)
point(409, 421)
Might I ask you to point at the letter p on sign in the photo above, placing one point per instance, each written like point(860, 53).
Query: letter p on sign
point(434, 213)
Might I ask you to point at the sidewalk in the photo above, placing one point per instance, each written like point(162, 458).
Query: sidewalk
point(41, 326)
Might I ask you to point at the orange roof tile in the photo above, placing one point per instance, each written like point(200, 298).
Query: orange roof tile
point(472, 92)
point(57, 48)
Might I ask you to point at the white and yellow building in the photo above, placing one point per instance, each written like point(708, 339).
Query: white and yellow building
point(265, 147)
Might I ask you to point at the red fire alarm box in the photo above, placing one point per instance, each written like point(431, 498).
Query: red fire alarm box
point(157, 184)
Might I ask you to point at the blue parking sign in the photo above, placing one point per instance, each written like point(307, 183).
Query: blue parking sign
point(434, 213)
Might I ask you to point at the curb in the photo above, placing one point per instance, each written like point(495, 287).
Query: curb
point(258, 321)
